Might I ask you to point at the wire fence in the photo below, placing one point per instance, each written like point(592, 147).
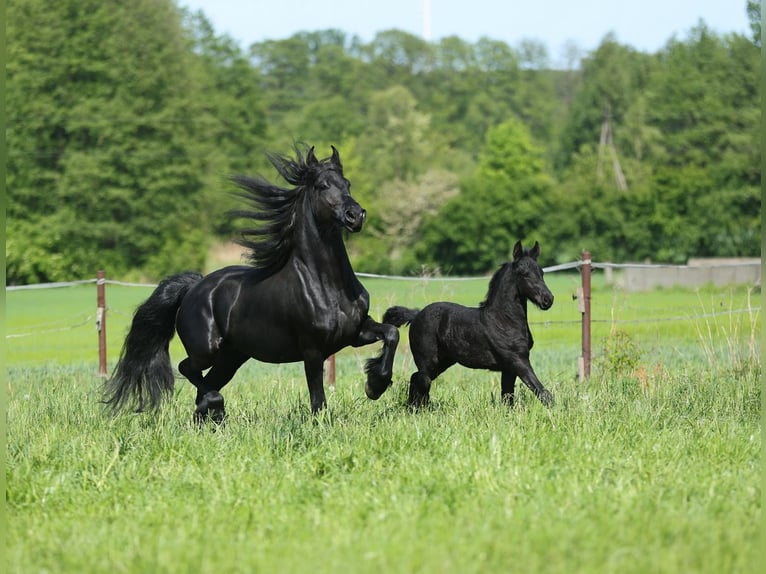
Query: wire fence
point(637, 315)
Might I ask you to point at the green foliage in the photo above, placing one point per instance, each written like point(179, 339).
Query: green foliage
point(104, 160)
point(125, 120)
point(504, 201)
point(620, 355)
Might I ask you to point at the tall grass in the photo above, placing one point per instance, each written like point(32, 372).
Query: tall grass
point(653, 465)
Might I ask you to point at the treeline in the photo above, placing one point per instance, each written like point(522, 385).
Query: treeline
point(125, 119)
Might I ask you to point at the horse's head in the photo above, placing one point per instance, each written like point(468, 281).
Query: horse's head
point(331, 198)
point(530, 275)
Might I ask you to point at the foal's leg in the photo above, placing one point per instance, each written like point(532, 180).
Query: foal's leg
point(525, 372)
point(420, 388)
point(507, 387)
point(429, 368)
point(379, 369)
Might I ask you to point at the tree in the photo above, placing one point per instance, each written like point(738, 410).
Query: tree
point(104, 170)
point(705, 102)
point(612, 77)
point(504, 201)
point(755, 15)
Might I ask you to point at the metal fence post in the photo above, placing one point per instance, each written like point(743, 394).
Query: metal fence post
point(584, 301)
point(101, 321)
point(331, 375)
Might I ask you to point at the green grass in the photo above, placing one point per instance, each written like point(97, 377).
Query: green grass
point(651, 466)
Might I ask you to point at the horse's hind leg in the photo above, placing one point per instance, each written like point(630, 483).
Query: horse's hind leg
point(191, 372)
point(420, 388)
point(210, 403)
point(430, 365)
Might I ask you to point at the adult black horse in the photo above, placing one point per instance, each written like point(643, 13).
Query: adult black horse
point(495, 335)
point(299, 300)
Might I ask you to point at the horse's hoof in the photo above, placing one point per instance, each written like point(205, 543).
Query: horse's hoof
point(215, 416)
point(547, 398)
point(372, 394)
point(210, 408)
point(376, 386)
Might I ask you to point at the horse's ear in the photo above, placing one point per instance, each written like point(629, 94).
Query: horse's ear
point(535, 251)
point(311, 159)
point(336, 157)
point(518, 250)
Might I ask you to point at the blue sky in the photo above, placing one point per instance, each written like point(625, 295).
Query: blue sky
point(644, 24)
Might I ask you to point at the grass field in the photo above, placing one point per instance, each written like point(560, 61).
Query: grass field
point(653, 465)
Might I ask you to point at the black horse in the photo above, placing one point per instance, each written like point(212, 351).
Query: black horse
point(494, 336)
point(299, 300)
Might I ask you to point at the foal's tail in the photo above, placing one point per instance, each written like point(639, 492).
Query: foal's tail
point(144, 376)
point(398, 316)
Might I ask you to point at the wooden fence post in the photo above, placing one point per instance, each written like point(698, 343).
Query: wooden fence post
point(101, 321)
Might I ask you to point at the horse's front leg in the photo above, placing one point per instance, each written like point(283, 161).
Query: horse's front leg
point(525, 372)
point(507, 387)
point(379, 369)
point(314, 369)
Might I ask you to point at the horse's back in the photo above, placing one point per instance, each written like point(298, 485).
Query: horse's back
point(445, 333)
point(444, 320)
point(273, 318)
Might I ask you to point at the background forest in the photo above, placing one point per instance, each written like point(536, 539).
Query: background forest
point(125, 119)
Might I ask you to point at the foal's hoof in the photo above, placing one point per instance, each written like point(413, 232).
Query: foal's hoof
point(546, 398)
point(418, 401)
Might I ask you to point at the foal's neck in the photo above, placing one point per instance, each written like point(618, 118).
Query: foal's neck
point(508, 302)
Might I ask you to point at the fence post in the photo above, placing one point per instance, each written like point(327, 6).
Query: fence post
point(101, 321)
point(585, 310)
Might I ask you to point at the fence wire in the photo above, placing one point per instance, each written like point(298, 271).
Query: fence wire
point(84, 319)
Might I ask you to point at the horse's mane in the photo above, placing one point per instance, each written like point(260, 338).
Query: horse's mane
point(270, 240)
point(494, 284)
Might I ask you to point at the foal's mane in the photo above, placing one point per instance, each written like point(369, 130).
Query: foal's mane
point(494, 284)
point(273, 210)
point(499, 277)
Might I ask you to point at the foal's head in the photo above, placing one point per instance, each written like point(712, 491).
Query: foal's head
point(529, 275)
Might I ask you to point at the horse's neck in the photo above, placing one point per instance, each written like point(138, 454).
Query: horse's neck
point(322, 253)
point(509, 302)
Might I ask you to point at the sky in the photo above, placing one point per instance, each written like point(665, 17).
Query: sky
point(645, 25)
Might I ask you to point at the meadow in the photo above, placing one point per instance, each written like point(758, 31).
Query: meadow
point(652, 465)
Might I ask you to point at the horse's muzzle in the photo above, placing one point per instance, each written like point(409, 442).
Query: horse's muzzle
point(546, 301)
point(354, 218)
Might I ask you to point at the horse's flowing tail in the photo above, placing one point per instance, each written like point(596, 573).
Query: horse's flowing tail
point(144, 376)
point(398, 316)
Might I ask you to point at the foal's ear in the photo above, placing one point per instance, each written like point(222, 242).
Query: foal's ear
point(311, 159)
point(518, 250)
point(535, 251)
point(336, 157)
